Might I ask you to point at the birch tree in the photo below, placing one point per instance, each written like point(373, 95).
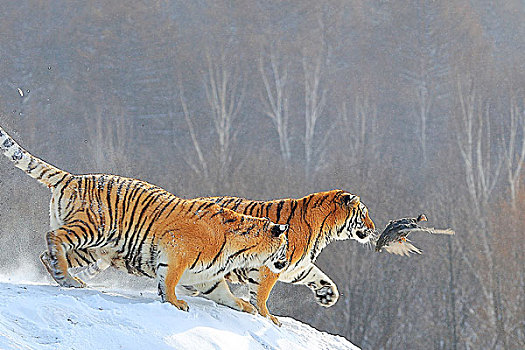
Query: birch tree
point(275, 99)
point(359, 127)
point(515, 146)
point(224, 93)
point(314, 103)
point(193, 156)
point(423, 65)
point(109, 132)
point(482, 170)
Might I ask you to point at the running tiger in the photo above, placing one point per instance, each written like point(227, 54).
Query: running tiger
point(148, 231)
point(315, 221)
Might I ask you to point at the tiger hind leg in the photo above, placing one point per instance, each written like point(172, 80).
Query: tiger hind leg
point(84, 264)
point(87, 263)
point(54, 260)
point(219, 292)
point(78, 264)
point(46, 261)
point(90, 271)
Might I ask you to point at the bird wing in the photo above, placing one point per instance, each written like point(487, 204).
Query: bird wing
point(402, 223)
point(394, 231)
point(402, 248)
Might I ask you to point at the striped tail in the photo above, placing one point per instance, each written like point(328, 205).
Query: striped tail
point(34, 167)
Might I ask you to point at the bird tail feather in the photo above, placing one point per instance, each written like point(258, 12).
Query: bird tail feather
point(441, 231)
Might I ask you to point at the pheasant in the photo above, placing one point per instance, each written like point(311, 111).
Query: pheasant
point(394, 237)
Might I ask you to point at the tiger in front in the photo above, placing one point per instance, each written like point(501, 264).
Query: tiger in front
point(314, 221)
point(134, 225)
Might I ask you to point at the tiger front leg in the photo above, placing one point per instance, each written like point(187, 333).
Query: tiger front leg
point(54, 259)
point(322, 286)
point(168, 276)
point(219, 292)
point(267, 280)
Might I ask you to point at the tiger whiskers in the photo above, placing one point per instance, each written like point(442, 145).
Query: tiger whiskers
point(373, 238)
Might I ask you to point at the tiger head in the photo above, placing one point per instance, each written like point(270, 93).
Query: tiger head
point(266, 243)
point(351, 219)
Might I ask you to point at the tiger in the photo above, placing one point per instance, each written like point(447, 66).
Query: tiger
point(148, 231)
point(314, 221)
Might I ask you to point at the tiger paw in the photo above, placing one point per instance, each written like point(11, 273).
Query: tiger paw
point(275, 320)
point(73, 282)
point(81, 284)
point(245, 306)
point(327, 295)
point(180, 304)
point(263, 311)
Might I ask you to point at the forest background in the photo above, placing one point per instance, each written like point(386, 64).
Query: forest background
point(416, 106)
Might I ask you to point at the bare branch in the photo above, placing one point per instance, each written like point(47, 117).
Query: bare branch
point(222, 83)
point(314, 100)
point(276, 101)
point(202, 168)
point(515, 151)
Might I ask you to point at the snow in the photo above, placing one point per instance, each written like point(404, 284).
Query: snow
point(43, 316)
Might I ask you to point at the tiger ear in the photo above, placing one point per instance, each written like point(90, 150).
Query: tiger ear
point(350, 200)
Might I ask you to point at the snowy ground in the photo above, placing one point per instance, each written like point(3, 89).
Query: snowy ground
point(43, 316)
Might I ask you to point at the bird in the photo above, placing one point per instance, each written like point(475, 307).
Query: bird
point(394, 237)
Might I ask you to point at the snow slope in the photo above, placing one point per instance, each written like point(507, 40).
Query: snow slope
point(40, 316)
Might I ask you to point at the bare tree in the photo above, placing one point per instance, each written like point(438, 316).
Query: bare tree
point(275, 99)
point(199, 164)
point(511, 275)
point(109, 132)
point(314, 102)
point(515, 146)
point(482, 169)
point(224, 93)
point(359, 130)
point(424, 62)
point(475, 145)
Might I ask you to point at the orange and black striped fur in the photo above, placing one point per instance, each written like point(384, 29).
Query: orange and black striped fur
point(314, 221)
point(134, 225)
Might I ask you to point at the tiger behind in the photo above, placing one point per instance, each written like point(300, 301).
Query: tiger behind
point(149, 231)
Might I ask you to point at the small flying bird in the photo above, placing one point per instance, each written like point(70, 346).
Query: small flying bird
point(21, 92)
point(393, 238)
